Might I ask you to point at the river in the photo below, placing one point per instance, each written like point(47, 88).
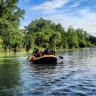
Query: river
point(75, 75)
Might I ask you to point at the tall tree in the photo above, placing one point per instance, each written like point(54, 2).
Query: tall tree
point(10, 15)
point(72, 38)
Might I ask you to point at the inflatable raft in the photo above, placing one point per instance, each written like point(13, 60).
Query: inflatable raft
point(44, 59)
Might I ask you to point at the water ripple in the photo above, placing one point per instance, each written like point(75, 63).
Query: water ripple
point(75, 75)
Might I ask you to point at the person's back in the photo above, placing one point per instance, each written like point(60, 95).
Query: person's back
point(46, 51)
point(49, 51)
point(38, 53)
point(52, 52)
point(34, 51)
point(43, 52)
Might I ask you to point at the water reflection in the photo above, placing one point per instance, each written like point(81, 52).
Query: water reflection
point(42, 69)
point(9, 76)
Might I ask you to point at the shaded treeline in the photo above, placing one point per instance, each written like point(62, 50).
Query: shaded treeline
point(39, 33)
point(44, 33)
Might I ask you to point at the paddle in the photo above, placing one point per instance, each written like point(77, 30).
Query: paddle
point(31, 54)
point(61, 57)
point(28, 57)
point(31, 59)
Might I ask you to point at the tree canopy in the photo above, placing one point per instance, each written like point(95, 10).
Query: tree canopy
point(39, 33)
point(10, 15)
point(48, 34)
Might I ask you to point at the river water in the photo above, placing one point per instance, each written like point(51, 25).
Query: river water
point(75, 75)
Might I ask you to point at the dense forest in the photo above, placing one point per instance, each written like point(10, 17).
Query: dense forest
point(39, 33)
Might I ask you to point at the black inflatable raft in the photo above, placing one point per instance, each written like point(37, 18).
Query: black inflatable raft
point(45, 59)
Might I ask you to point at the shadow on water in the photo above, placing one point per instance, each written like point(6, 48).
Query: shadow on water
point(44, 68)
point(9, 76)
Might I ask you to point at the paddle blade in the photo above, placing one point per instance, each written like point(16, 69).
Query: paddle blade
point(61, 57)
point(28, 57)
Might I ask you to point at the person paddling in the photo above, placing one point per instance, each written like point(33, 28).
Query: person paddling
point(34, 51)
point(52, 52)
point(38, 53)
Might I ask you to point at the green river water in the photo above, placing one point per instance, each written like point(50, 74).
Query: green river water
point(75, 75)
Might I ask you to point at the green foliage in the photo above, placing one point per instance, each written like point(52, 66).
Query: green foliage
point(92, 39)
point(1, 43)
point(55, 39)
point(48, 34)
point(29, 41)
point(10, 15)
point(40, 32)
point(41, 38)
point(6, 32)
point(72, 38)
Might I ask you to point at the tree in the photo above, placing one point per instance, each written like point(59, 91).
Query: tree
point(55, 39)
point(44, 33)
point(83, 37)
point(72, 38)
point(42, 39)
point(10, 15)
